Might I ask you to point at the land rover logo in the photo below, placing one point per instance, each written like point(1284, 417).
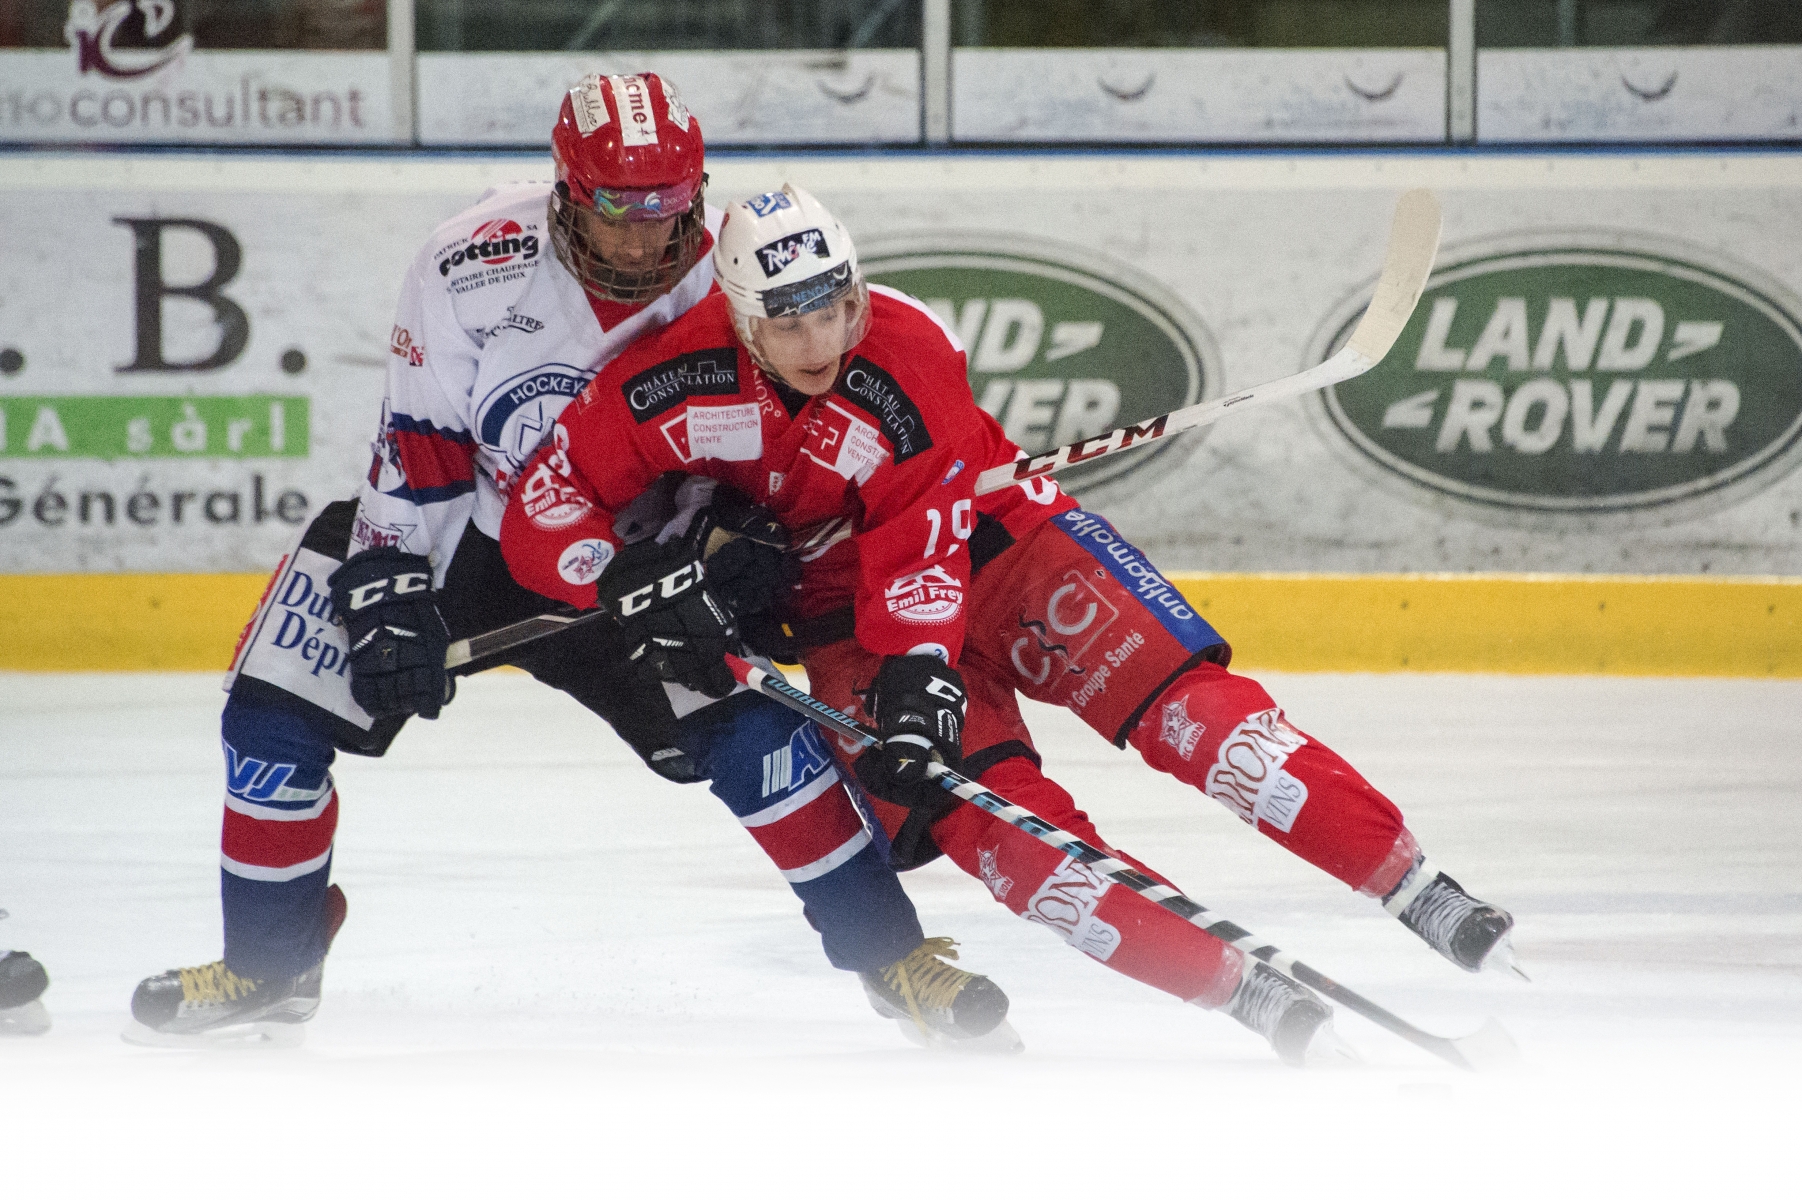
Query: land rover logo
point(1062, 344)
point(1586, 373)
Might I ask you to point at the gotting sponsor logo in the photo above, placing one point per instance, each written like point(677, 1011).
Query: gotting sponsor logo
point(1062, 343)
point(493, 243)
point(1583, 373)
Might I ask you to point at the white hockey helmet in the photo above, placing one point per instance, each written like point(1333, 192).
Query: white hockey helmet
point(784, 255)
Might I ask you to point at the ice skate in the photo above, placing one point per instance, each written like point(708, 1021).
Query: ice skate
point(1473, 935)
point(1297, 1024)
point(940, 1006)
point(22, 980)
point(211, 1005)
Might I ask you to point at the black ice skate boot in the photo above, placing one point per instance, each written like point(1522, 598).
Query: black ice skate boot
point(1297, 1023)
point(22, 980)
point(941, 1006)
point(1470, 933)
point(193, 1005)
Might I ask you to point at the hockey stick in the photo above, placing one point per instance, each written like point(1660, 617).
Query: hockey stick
point(1488, 1046)
point(460, 654)
point(1413, 241)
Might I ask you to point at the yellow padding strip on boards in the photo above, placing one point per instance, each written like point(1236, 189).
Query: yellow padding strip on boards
point(1516, 624)
point(1511, 624)
point(124, 622)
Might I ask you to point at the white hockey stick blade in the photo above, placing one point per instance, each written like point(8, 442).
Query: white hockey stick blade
point(1489, 1048)
point(1413, 243)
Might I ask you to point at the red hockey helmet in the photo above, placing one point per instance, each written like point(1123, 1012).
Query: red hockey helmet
point(627, 151)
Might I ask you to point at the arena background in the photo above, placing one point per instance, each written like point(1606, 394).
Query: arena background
point(1579, 458)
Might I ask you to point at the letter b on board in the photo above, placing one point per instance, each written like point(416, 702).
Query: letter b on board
point(151, 288)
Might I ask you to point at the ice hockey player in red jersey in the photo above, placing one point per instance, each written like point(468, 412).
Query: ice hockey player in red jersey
point(505, 313)
point(846, 410)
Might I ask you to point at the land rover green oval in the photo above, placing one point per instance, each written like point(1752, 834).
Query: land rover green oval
point(1061, 345)
point(1581, 378)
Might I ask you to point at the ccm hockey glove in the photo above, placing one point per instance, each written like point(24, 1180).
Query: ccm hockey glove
point(918, 703)
point(671, 621)
point(397, 638)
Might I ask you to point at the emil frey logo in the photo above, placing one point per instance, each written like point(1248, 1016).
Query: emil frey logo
point(91, 31)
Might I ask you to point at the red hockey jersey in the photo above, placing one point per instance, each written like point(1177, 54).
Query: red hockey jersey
point(891, 453)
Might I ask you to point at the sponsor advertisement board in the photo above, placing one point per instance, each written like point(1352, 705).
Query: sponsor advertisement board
point(168, 90)
point(1602, 376)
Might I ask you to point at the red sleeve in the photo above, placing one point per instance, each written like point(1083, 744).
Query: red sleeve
point(919, 504)
point(556, 535)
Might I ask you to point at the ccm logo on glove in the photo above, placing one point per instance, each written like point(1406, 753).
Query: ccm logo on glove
point(404, 584)
point(669, 587)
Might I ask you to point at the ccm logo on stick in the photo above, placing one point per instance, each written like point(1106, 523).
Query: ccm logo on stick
point(405, 584)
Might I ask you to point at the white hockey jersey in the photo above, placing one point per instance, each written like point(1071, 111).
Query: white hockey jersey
point(492, 338)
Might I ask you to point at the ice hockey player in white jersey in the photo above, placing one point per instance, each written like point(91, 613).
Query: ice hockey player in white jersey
point(506, 313)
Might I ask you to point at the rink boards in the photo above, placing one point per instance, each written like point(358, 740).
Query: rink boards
point(1613, 625)
point(1579, 457)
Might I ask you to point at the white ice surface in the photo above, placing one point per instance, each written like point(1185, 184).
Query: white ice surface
point(560, 973)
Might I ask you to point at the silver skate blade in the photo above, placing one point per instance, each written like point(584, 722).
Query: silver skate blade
point(1501, 959)
point(1001, 1040)
point(1327, 1051)
point(254, 1035)
point(1489, 1048)
point(25, 1020)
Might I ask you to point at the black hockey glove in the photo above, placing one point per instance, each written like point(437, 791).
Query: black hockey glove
point(671, 621)
point(397, 638)
point(918, 703)
point(748, 565)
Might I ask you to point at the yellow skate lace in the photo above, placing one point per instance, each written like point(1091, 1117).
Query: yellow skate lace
point(213, 984)
point(924, 978)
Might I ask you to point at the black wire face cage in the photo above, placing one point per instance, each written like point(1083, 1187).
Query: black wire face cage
point(604, 281)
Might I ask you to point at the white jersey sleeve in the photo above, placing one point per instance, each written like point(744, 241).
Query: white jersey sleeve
point(420, 490)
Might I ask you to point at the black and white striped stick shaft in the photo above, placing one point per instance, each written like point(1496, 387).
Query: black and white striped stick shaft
point(1106, 865)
